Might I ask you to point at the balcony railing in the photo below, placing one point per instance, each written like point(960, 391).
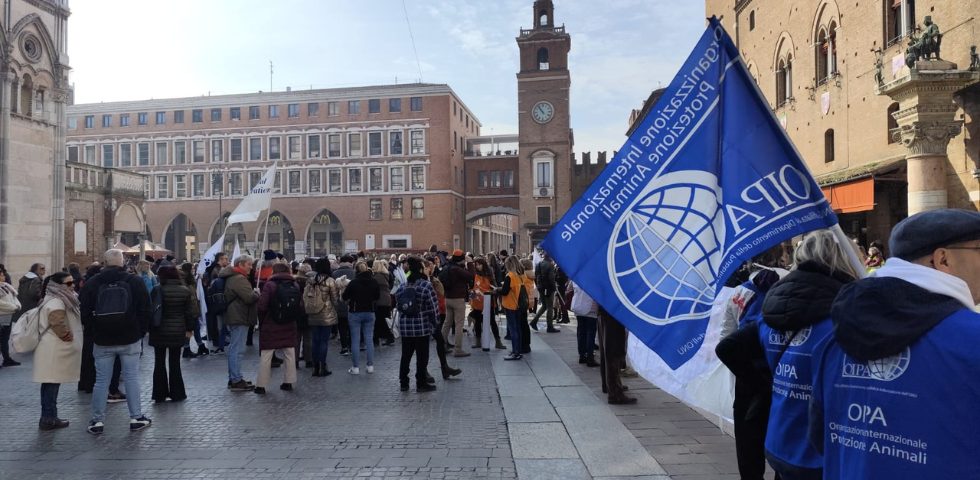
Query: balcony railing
point(498, 153)
point(531, 31)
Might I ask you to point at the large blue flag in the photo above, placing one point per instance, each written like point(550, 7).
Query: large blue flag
point(706, 182)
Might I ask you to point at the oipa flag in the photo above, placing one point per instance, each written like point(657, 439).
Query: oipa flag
point(259, 199)
point(707, 181)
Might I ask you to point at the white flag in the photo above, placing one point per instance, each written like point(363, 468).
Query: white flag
point(258, 199)
point(237, 251)
point(208, 257)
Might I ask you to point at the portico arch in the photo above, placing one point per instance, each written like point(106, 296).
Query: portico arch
point(324, 235)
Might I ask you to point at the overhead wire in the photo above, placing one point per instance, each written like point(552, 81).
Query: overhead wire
point(412, 36)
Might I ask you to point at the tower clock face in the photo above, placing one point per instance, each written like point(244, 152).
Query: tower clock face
point(543, 112)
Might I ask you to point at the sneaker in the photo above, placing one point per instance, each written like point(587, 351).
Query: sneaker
point(202, 349)
point(370, 368)
point(241, 386)
point(96, 428)
point(354, 371)
point(116, 397)
point(218, 351)
point(345, 352)
point(139, 423)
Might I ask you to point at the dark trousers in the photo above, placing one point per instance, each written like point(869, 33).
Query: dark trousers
point(321, 340)
point(4, 342)
point(86, 380)
point(612, 354)
point(251, 333)
point(343, 328)
point(525, 327)
point(546, 307)
point(587, 328)
point(440, 343)
point(751, 412)
point(418, 346)
point(49, 400)
point(167, 383)
point(477, 316)
point(381, 329)
point(304, 344)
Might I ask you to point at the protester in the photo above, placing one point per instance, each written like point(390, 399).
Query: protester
point(586, 311)
point(277, 313)
point(178, 319)
point(382, 309)
point(239, 317)
point(148, 277)
point(187, 279)
point(58, 356)
point(512, 298)
point(544, 279)
point(456, 279)
point(344, 269)
point(564, 296)
point(321, 298)
point(361, 294)
point(523, 323)
point(215, 319)
point(484, 282)
point(117, 306)
point(304, 335)
point(894, 376)
point(416, 325)
point(752, 400)
point(9, 305)
point(428, 268)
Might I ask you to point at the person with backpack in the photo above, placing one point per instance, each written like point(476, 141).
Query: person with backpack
point(214, 289)
point(544, 278)
point(752, 399)
point(172, 325)
point(279, 305)
point(456, 279)
point(416, 303)
point(240, 314)
point(117, 306)
point(58, 355)
point(361, 296)
point(514, 298)
point(321, 299)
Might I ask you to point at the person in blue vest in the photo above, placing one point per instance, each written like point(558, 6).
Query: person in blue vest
point(741, 352)
point(894, 394)
point(795, 317)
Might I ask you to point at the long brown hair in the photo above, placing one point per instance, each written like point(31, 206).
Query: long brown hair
point(487, 272)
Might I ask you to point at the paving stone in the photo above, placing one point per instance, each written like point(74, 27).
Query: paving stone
point(540, 469)
point(541, 440)
point(404, 462)
point(520, 410)
point(605, 445)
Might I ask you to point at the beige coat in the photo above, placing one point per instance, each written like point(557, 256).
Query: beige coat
point(55, 360)
point(8, 303)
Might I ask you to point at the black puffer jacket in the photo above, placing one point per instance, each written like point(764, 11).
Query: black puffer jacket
point(803, 298)
point(362, 292)
point(179, 315)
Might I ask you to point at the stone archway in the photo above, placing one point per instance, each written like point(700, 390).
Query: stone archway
point(180, 237)
point(128, 224)
point(491, 229)
point(325, 235)
point(281, 237)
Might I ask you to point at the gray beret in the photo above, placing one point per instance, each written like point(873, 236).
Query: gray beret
point(922, 233)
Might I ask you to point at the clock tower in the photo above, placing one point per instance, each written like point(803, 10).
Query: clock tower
point(544, 128)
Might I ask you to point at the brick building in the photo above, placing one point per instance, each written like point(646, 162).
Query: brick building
point(881, 149)
point(104, 207)
point(33, 95)
point(377, 168)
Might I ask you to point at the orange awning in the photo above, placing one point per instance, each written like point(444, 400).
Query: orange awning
point(857, 196)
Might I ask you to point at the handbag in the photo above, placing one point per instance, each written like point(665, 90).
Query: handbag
point(393, 323)
point(22, 335)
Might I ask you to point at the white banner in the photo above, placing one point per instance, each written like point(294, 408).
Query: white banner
point(258, 199)
point(208, 257)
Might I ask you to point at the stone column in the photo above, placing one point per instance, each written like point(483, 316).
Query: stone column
point(926, 124)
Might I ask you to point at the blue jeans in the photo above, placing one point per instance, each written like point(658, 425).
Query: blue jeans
point(514, 330)
point(236, 349)
point(49, 400)
point(321, 340)
point(361, 323)
point(222, 332)
point(587, 327)
point(105, 357)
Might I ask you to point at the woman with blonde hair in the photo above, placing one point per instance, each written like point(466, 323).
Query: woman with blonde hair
point(382, 308)
point(144, 271)
point(509, 293)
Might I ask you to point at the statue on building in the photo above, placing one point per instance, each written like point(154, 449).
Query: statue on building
point(924, 46)
point(974, 59)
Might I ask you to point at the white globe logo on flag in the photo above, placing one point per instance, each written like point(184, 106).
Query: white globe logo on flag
point(668, 246)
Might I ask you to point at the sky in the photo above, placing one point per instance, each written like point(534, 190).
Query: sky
point(621, 51)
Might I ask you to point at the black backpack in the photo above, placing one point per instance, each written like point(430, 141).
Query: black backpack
point(288, 304)
point(112, 304)
point(407, 301)
point(216, 293)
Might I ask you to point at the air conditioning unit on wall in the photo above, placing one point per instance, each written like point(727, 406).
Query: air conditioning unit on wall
point(542, 192)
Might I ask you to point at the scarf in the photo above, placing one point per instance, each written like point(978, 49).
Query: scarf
point(65, 294)
point(8, 289)
point(928, 279)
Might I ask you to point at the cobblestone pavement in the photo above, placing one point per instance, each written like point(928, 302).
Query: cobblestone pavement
point(684, 443)
point(338, 427)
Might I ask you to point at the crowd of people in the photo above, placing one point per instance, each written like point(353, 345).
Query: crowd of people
point(92, 326)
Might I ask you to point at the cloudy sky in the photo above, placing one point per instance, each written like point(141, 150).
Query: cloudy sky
point(621, 51)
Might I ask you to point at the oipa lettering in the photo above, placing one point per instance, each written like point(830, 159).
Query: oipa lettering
point(866, 414)
point(777, 190)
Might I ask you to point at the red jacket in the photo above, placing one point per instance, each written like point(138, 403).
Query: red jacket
point(271, 334)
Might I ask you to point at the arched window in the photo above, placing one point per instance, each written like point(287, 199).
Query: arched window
point(828, 146)
point(26, 95)
point(542, 58)
point(543, 18)
point(752, 20)
point(784, 81)
point(892, 123)
point(826, 54)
